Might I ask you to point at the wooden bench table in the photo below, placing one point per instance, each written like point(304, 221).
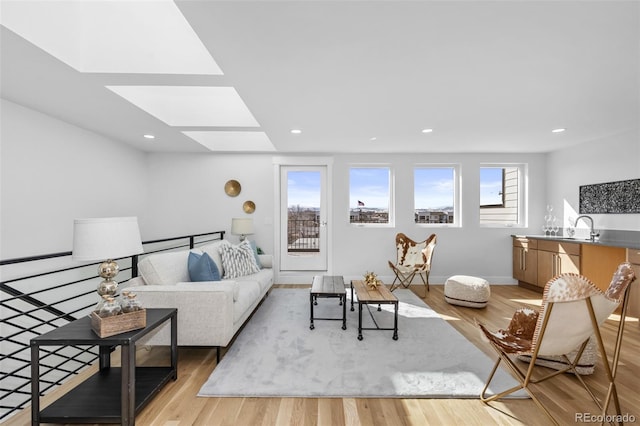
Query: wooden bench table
point(325, 286)
point(380, 295)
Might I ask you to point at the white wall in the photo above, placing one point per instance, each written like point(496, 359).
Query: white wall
point(469, 249)
point(605, 160)
point(53, 172)
point(186, 196)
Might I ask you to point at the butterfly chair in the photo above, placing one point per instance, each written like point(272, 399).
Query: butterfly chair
point(573, 309)
point(412, 259)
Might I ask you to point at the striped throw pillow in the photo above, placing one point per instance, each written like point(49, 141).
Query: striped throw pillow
point(238, 261)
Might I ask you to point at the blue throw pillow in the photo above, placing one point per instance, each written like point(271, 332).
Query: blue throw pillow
point(202, 268)
point(255, 253)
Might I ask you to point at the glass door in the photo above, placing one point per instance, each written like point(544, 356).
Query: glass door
point(303, 215)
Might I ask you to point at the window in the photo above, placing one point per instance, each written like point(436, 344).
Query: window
point(501, 195)
point(370, 195)
point(434, 194)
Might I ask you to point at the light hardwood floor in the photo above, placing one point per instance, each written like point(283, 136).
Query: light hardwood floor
point(177, 403)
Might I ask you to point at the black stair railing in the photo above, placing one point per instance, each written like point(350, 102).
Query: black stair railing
point(43, 292)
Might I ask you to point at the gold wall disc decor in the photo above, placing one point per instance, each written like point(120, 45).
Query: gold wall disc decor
point(249, 207)
point(232, 188)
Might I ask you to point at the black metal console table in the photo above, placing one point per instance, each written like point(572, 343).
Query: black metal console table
point(113, 394)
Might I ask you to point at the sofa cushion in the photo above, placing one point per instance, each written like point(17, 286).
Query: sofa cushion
point(202, 268)
point(213, 250)
point(165, 268)
point(212, 285)
point(248, 295)
point(238, 261)
point(264, 278)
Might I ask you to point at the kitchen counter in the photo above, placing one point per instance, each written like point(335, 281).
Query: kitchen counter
point(632, 243)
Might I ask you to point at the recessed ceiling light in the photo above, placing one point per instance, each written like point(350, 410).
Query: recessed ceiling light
point(373, 139)
point(149, 136)
point(559, 130)
point(296, 131)
point(427, 130)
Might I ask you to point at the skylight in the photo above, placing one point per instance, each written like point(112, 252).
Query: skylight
point(232, 141)
point(112, 36)
point(190, 105)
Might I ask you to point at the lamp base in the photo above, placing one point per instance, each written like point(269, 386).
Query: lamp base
point(107, 287)
point(107, 271)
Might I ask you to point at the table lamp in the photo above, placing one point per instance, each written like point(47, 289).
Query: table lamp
point(106, 238)
point(242, 227)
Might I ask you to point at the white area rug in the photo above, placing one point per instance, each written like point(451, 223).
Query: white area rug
point(277, 355)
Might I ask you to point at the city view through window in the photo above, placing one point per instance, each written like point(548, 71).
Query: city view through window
point(369, 194)
point(434, 194)
point(303, 210)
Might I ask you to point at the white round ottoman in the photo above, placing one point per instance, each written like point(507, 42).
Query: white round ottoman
point(463, 290)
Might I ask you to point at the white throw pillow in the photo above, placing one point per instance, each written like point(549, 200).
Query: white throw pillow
point(238, 261)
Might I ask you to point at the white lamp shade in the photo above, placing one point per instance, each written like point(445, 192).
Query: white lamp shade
point(241, 226)
point(105, 238)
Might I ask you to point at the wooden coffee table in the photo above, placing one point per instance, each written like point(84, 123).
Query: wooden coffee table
point(325, 286)
point(380, 295)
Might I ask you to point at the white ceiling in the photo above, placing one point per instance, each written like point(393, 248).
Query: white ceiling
point(486, 76)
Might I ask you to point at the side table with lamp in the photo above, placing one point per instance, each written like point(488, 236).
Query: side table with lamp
point(112, 395)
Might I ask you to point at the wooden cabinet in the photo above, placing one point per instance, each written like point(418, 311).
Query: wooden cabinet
point(525, 260)
point(537, 260)
point(600, 262)
point(633, 256)
point(556, 257)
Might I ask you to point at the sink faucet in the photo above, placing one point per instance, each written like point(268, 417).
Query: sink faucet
point(593, 234)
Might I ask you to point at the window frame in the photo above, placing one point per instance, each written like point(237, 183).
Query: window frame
point(457, 223)
point(391, 213)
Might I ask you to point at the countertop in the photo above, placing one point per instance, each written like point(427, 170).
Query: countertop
point(598, 242)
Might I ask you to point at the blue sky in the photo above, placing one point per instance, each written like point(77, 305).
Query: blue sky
point(369, 185)
point(433, 187)
point(490, 185)
point(303, 188)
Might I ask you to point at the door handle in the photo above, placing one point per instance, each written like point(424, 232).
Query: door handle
point(323, 223)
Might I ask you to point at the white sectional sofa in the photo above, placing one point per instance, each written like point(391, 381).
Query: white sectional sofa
point(209, 313)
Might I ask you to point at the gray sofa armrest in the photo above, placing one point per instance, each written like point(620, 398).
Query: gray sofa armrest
point(266, 260)
point(133, 282)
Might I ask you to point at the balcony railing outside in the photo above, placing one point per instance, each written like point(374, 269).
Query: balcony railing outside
point(303, 235)
point(41, 293)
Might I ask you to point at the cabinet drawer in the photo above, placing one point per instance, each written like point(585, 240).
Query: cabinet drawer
point(525, 242)
point(559, 247)
point(633, 256)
